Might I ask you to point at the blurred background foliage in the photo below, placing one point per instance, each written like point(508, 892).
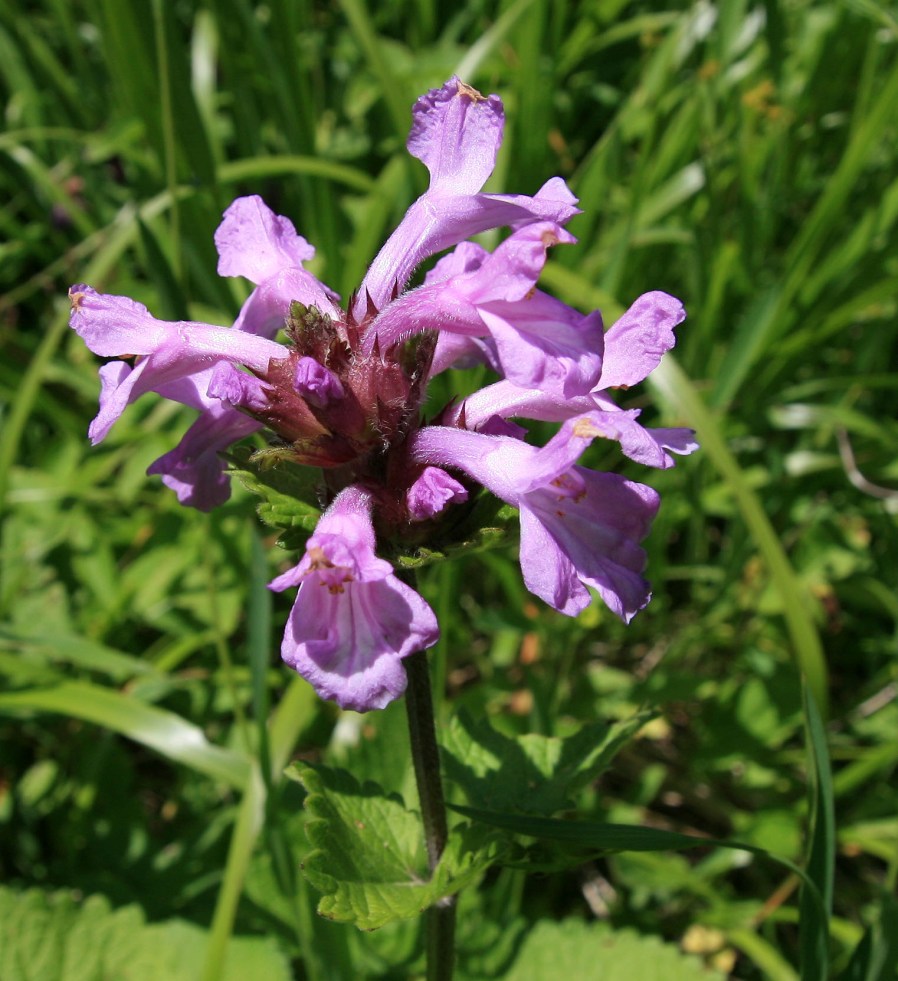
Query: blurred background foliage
point(739, 155)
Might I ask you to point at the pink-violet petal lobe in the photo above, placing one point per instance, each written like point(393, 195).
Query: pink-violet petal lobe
point(255, 243)
point(635, 344)
point(456, 132)
point(353, 620)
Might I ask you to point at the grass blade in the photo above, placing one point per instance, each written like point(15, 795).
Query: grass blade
point(814, 921)
point(160, 730)
point(876, 956)
point(678, 392)
point(760, 326)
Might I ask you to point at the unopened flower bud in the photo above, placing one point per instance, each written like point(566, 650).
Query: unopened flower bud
point(316, 384)
point(431, 492)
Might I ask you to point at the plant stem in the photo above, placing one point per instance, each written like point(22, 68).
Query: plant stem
point(426, 757)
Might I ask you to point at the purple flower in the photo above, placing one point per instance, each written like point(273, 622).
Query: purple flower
point(338, 406)
point(578, 528)
point(632, 349)
point(263, 247)
point(194, 469)
point(432, 492)
point(346, 392)
point(540, 342)
point(114, 326)
point(317, 384)
point(353, 621)
point(456, 134)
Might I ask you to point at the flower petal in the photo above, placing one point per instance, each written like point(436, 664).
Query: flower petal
point(548, 572)
point(543, 344)
point(194, 469)
point(349, 646)
point(591, 522)
point(353, 620)
point(540, 342)
point(505, 399)
point(171, 357)
point(459, 351)
point(318, 385)
point(436, 222)
point(464, 258)
point(116, 326)
point(431, 492)
point(268, 306)
point(635, 344)
point(646, 446)
point(598, 532)
point(456, 132)
point(254, 242)
point(119, 386)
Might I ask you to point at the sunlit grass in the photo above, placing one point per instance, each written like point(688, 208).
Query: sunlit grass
point(741, 157)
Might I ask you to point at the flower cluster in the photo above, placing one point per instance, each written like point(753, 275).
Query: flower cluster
point(345, 392)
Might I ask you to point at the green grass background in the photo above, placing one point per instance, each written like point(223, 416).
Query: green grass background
point(739, 155)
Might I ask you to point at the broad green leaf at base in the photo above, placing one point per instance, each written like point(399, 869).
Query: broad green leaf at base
point(576, 949)
point(54, 937)
point(368, 856)
point(531, 773)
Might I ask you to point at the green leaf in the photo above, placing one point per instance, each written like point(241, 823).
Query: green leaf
point(257, 169)
point(678, 391)
point(488, 524)
point(480, 540)
point(368, 855)
point(172, 302)
point(394, 93)
point(285, 725)
point(54, 937)
point(289, 492)
point(574, 949)
point(604, 838)
point(532, 773)
point(290, 501)
point(71, 649)
point(589, 834)
point(758, 329)
point(163, 731)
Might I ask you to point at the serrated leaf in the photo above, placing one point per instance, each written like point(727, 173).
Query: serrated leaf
point(368, 855)
point(488, 524)
point(56, 937)
point(574, 949)
point(484, 538)
point(289, 492)
point(532, 774)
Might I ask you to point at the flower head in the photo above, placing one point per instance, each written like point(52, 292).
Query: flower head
point(344, 390)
